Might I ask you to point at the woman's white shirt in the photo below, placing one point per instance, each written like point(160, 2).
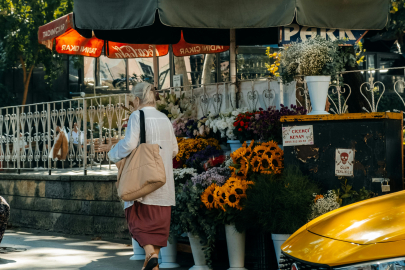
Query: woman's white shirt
point(159, 130)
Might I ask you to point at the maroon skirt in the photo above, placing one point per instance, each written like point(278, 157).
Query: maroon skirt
point(149, 224)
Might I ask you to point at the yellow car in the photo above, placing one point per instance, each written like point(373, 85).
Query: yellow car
point(369, 235)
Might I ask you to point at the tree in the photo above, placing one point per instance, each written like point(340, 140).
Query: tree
point(396, 24)
point(20, 20)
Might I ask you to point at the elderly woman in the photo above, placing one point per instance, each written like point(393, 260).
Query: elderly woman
point(148, 218)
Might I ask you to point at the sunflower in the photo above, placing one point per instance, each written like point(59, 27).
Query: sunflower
point(266, 163)
point(239, 189)
point(232, 198)
point(259, 150)
point(220, 197)
point(252, 142)
point(272, 145)
point(244, 144)
point(278, 164)
point(238, 154)
point(248, 152)
point(256, 163)
point(208, 197)
point(278, 153)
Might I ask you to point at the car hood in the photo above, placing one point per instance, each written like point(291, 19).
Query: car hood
point(378, 220)
point(317, 249)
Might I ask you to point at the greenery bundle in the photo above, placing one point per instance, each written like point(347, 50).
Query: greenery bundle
point(279, 204)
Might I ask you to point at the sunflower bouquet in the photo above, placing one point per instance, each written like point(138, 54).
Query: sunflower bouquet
point(262, 158)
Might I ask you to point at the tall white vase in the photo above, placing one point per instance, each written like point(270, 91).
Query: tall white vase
point(139, 253)
point(236, 247)
point(198, 253)
point(318, 92)
point(278, 241)
point(169, 255)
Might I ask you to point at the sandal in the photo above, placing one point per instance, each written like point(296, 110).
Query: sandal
point(152, 262)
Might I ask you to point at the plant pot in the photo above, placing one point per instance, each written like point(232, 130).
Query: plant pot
point(139, 253)
point(236, 144)
point(169, 255)
point(278, 241)
point(198, 253)
point(236, 247)
point(318, 92)
point(281, 146)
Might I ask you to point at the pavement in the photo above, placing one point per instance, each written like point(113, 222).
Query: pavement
point(34, 250)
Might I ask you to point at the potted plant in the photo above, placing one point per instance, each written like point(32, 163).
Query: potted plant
point(318, 59)
point(280, 204)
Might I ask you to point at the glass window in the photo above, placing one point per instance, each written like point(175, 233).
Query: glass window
point(200, 68)
point(112, 73)
point(164, 72)
point(140, 69)
point(224, 66)
point(89, 64)
point(251, 62)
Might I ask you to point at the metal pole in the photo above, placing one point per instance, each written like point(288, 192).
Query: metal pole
point(232, 52)
point(155, 68)
point(49, 138)
point(127, 72)
point(171, 64)
point(17, 144)
point(85, 136)
point(232, 60)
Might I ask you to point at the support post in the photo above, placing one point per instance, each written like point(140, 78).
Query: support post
point(155, 68)
point(49, 137)
point(232, 55)
point(127, 72)
point(171, 64)
point(85, 135)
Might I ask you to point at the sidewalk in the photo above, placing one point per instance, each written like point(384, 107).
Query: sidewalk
point(35, 250)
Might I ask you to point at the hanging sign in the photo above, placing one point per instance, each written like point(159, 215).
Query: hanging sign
point(124, 50)
point(185, 49)
point(344, 162)
point(73, 43)
point(298, 135)
point(297, 33)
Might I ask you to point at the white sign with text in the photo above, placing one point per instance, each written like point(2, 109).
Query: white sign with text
point(344, 162)
point(298, 135)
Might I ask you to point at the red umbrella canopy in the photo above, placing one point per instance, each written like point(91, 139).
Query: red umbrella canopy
point(68, 41)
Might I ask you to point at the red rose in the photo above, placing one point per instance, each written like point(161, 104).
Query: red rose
point(177, 164)
point(239, 129)
point(242, 123)
point(235, 124)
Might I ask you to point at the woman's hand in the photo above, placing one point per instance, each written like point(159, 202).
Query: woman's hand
point(125, 124)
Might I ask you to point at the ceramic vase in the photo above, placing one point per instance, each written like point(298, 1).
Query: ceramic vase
point(139, 253)
point(169, 255)
point(278, 241)
point(198, 253)
point(236, 247)
point(318, 92)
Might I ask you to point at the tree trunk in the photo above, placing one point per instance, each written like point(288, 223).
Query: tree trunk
point(206, 74)
point(180, 67)
point(26, 79)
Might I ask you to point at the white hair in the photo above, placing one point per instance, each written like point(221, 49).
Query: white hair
point(146, 94)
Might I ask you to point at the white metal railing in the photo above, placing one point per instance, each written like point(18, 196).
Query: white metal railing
point(98, 119)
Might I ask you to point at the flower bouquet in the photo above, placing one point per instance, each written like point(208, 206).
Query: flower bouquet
point(180, 127)
point(241, 125)
point(262, 158)
point(199, 159)
point(222, 124)
point(188, 147)
point(324, 204)
point(174, 107)
point(266, 126)
point(197, 128)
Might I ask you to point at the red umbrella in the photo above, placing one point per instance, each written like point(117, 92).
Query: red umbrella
point(68, 41)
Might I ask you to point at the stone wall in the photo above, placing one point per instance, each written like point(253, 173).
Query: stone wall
point(86, 205)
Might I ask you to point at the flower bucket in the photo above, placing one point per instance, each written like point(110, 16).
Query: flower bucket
point(198, 253)
point(139, 253)
point(278, 241)
point(236, 247)
point(169, 255)
point(226, 149)
point(318, 92)
point(236, 144)
point(281, 147)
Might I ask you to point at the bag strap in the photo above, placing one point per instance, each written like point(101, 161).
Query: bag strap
point(142, 124)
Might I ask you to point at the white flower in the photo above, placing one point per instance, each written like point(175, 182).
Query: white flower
point(324, 205)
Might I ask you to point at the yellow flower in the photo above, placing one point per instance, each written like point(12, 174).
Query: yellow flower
point(208, 197)
point(256, 163)
point(259, 150)
point(266, 163)
point(232, 199)
point(220, 197)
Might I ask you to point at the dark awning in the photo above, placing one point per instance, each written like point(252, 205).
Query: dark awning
point(147, 21)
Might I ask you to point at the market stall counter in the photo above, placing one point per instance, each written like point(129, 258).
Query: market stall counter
point(363, 148)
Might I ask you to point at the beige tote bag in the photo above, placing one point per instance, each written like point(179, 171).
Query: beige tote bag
point(143, 171)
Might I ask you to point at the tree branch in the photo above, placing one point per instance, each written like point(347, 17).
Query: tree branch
point(24, 68)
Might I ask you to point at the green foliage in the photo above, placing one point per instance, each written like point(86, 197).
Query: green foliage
point(279, 203)
point(396, 23)
point(191, 216)
point(19, 22)
point(346, 195)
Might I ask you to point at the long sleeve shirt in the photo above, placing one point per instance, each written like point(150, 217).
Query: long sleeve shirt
point(159, 130)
